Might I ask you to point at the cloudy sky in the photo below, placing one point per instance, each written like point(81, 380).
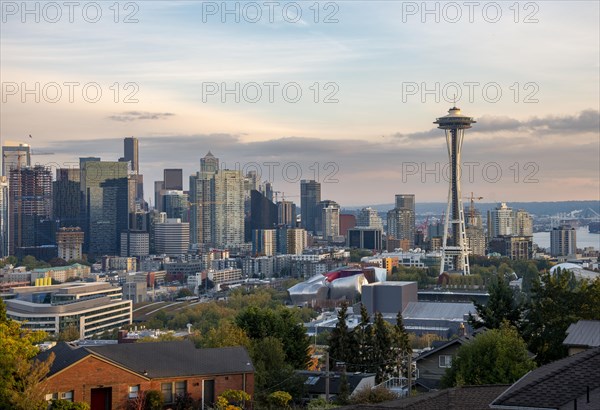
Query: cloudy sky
point(344, 92)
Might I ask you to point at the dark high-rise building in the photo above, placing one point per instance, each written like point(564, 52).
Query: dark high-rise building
point(175, 205)
point(131, 155)
point(310, 196)
point(105, 189)
point(173, 179)
point(159, 186)
point(263, 214)
point(131, 152)
point(66, 193)
point(30, 203)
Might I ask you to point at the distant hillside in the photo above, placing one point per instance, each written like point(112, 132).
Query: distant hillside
point(536, 208)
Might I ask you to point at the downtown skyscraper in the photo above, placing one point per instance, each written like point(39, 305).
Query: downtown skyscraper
point(310, 196)
point(217, 205)
point(30, 208)
point(105, 203)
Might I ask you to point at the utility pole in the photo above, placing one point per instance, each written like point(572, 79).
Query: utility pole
point(409, 360)
point(327, 377)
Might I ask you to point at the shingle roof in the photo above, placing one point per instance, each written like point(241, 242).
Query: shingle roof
point(458, 398)
point(171, 359)
point(583, 333)
point(64, 356)
point(157, 360)
point(556, 383)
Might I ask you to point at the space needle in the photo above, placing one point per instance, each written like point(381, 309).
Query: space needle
point(456, 250)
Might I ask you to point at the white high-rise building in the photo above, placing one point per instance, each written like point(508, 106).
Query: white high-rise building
point(501, 221)
point(331, 221)
point(401, 224)
point(172, 237)
point(523, 224)
point(563, 241)
point(228, 217)
point(3, 216)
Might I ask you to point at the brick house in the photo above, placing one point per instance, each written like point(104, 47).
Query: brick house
point(107, 376)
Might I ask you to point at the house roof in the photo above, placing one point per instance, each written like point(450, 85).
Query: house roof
point(458, 398)
point(65, 355)
point(584, 333)
point(314, 381)
point(460, 341)
point(159, 359)
point(555, 384)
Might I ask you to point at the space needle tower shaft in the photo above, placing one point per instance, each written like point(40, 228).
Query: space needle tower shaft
point(455, 253)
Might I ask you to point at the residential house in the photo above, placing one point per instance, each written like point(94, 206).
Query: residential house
point(432, 364)
point(569, 383)
point(582, 335)
point(108, 376)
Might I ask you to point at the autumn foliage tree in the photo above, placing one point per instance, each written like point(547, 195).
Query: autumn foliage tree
point(22, 385)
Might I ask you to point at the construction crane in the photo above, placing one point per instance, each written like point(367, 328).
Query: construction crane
point(282, 196)
point(472, 200)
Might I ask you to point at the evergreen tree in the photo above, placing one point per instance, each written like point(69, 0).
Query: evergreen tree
point(501, 305)
point(401, 345)
point(383, 349)
point(557, 301)
point(341, 343)
point(363, 339)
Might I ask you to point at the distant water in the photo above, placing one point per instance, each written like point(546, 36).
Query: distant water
point(584, 238)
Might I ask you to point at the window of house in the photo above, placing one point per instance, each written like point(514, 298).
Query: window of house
point(180, 388)
point(445, 360)
point(167, 392)
point(51, 396)
point(134, 391)
point(68, 395)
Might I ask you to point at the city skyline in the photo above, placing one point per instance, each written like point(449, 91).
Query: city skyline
point(378, 119)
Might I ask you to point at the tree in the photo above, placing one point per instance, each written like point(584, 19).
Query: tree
point(558, 300)
point(497, 356)
point(22, 384)
point(368, 394)
point(184, 293)
point(68, 334)
point(68, 405)
point(226, 334)
point(363, 358)
point(271, 369)
point(282, 324)
point(343, 396)
point(383, 350)
point(341, 342)
point(279, 400)
point(501, 306)
point(154, 400)
point(401, 347)
point(232, 399)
